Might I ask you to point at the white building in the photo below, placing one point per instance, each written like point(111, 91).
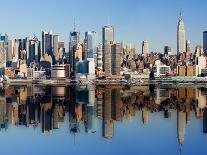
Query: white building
point(161, 70)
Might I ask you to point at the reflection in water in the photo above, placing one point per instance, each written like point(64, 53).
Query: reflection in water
point(49, 106)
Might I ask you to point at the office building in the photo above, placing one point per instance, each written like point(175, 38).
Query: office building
point(145, 48)
point(56, 40)
point(205, 42)
point(167, 50)
point(116, 50)
point(181, 36)
point(46, 43)
point(91, 40)
point(74, 39)
point(107, 38)
point(33, 54)
point(108, 34)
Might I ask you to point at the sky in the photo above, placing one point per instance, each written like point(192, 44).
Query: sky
point(134, 20)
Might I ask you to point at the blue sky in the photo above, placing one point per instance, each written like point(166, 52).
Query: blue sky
point(134, 20)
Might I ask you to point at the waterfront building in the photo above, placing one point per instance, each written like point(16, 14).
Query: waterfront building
point(181, 36)
point(161, 70)
point(60, 71)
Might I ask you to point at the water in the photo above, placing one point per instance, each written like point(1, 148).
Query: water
point(103, 120)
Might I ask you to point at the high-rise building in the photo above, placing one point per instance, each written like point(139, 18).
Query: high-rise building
point(116, 58)
point(107, 38)
point(61, 51)
point(108, 34)
point(181, 36)
point(107, 58)
point(112, 58)
point(74, 39)
point(167, 50)
point(2, 53)
point(4, 49)
point(198, 50)
point(33, 55)
point(91, 40)
point(10, 50)
point(100, 58)
point(188, 46)
point(56, 40)
point(205, 42)
point(188, 50)
point(145, 48)
point(4, 37)
point(46, 43)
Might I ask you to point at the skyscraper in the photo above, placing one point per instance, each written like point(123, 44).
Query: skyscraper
point(46, 43)
point(74, 39)
point(34, 51)
point(112, 58)
point(181, 36)
point(167, 50)
point(188, 50)
point(116, 59)
point(2, 53)
point(188, 46)
point(108, 34)
point(56, 39)
point(205, 42)
point(10, 50)
point(4, 48)
point(107, 59)
point(100, 58)
point(145, 48)
point(107, 38)
point(91, 40)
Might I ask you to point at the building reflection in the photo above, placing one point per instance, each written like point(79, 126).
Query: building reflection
point(50, 106)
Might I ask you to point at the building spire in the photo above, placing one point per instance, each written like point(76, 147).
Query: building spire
point(181, 15)
point(74, 24)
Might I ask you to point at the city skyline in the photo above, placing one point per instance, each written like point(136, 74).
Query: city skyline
point(137, 26)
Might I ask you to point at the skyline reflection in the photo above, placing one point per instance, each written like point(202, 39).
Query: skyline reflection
point(89, 106)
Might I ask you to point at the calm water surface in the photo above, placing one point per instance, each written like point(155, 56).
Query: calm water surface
point(161, 120)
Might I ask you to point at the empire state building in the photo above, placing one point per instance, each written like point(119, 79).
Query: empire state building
point(180, 36)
